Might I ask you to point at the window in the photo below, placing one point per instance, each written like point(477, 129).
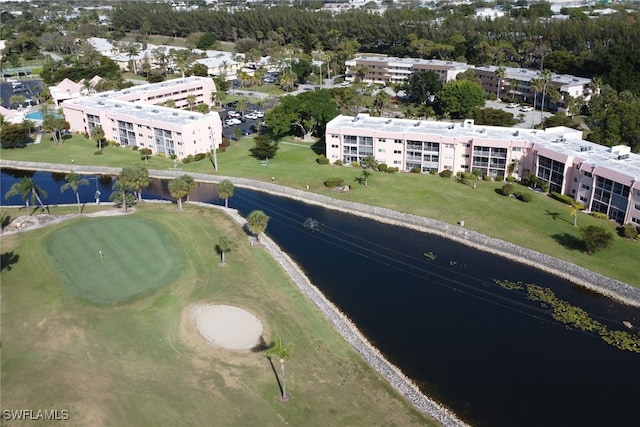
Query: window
point(397, 151)
point(448, 168)
point(465, 156)
point(335, 135)
point(637, 206)
point(516, 149)
point(397, 162)
point(587, 174)
point(380, 150)
point(583, 199)
point(335, 146)
point(382, 140)
point(636, 220)
point(399, 141)
point(585, 187)
point(448, 145)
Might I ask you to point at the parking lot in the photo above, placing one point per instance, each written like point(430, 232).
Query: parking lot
point(248, 123)
point(531, 117)
point(30, 89)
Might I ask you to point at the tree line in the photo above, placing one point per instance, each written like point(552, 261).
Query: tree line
point(606, 47)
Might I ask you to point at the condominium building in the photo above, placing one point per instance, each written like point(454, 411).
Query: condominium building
point(383, 69)
point(130, 118)
point(516, 84)
point(604, 179)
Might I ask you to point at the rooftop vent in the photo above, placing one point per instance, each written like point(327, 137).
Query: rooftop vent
point(100, 102)
point(192, 117)
point(355, 119)
point(388, 122)
point(516, 133)
point(623, 156)
point(138, 107)
point(451, 126)
point(586, 148)
point(483, 130)
point(416, 124)
point(175, 113)
point(155, 111)
point(561, 139)
point(126, 91)
point(117, 105)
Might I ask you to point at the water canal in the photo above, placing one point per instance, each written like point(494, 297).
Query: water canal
point(490, 354)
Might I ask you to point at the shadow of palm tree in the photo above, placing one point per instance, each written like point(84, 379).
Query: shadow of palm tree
point(570, 242)
point(7, 259)
point(275, 373)
point(359, 180)
point(6, 220)
point(557, 215)
point(261, 346)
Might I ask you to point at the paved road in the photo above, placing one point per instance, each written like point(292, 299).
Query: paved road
point(530, 117)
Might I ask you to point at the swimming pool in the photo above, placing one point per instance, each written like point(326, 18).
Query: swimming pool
point(34, 115)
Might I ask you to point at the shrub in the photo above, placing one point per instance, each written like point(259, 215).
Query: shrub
point(199, 157)
point(382, 167)
point(562, 197)
point(544, 186)
point(433, 172)
point(355, 164)
point(500, 178)
point(487, 178)
point(628, 231)
point(221, 149)
point(415, 169)
point(596, 238)
point(338, 162)
point(322, 160)
point(334, 182)
point(511, 179)
point(525, 197)
point(508, 189)
point(599, 215)
point(225, 142)
point(135, 148)
point(188, 159)
point(392, 169)
point(447, 173)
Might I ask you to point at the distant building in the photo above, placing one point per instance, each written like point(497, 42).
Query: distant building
point(384, 69)
point(517, 84)
point(130, 118)
point(604, 179)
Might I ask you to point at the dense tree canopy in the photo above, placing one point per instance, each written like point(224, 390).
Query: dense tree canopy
point(423, 86)
point(305, 114)
point(459, 97)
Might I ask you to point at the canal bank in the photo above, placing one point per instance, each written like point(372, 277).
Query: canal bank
point(581, 276)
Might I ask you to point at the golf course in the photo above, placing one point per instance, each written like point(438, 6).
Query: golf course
point(95, 321)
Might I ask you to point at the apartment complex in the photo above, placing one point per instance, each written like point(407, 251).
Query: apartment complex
point(604, 179)
point(134, 118)
point(517, 84)
point(386, 70)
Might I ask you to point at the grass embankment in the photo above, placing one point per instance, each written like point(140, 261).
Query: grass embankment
point(142, 362)
point(543, 224)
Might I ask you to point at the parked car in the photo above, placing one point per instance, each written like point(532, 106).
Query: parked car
point(513, 105)
point(232, 113)
point(526, 108)
point(259, 114)
point(250, 116)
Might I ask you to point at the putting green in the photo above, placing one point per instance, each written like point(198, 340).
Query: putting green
point(111, 260)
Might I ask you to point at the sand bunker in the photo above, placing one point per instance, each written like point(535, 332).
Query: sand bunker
point(227, 326)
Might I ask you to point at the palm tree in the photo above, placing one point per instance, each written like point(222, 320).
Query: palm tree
point(545, 80)
point(536, 87)
point(73, 182)
point(224, 245)
point(282, 353)
point(241, 107)
point(225, 190)
point(97, 134)
point(365, 176)
point(29, 191)
point(132, 52)
point(381, 100)
point(135, 178)
point(122, 194)
point(476, 173)
point(191, 101)
point(218, 97)
point(171, 103)
point(500, 73)
point(244, 77)
point(180, 187)
point(575, 208)
point(257, 223)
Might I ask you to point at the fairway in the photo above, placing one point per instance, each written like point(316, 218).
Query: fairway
point(111, 260)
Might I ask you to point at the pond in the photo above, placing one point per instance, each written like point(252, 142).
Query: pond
point(432, 308)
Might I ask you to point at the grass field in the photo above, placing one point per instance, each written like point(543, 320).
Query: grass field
point(141, 362)
point(543, 224)
point(108, 260)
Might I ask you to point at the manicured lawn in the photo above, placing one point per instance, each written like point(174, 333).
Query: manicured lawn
point(108, 260)
point(543, 224)
point(141, 362)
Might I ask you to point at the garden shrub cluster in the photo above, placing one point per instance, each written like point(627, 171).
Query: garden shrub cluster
point(511, 179)
point(338, 162)
point(322, 160)
point(382, 167)
point(446, 173)
point(508, 189)
point(525, 197)
point(562, 197)
point(334, 182)
point(628, 231)
point(599, 215)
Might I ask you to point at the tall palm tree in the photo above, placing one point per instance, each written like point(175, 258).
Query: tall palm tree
point(575, 208)
point(365, 177)
point(97, 134)
point(257, 223)
point(225, 190)
point(73, 182)
point(191, 101)
point(545, 80)
point(381, 100)
point(282, 353)
point(536, 87)
point(122, 194)
point(241, 107)
point(500, 73)
point(136, 178)
point(132, 52)
point(218, 97)
point(29, 191)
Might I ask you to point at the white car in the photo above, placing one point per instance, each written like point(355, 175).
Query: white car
point(526, 108)
point(232, 113)
point(259, 114)
point(251, 116)
point(231, 122)
point(513, 105)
